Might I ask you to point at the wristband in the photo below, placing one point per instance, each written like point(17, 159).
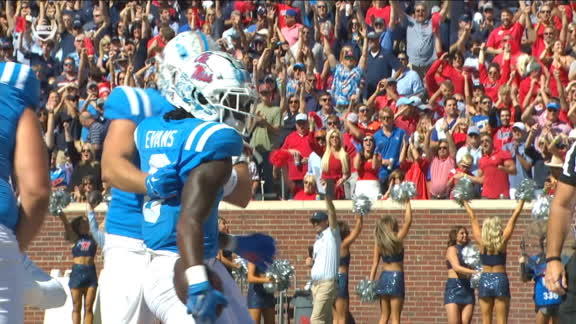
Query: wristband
point(196, 274)
point(554, 258)
point(231, 183)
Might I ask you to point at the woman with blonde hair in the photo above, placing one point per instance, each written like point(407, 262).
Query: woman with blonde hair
point(335, 163)
point(494, 289)
point(389, 245)
point(103, 53)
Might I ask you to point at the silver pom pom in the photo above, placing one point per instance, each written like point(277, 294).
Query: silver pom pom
point(541, 208)
point(107, 198)
point(526, 190)
point(471, 258)
point(361, 204)
point(240, 273)
point(403, 192)
point(59, 199)
point(463, 191)
point(366, 290)
point(280, 271)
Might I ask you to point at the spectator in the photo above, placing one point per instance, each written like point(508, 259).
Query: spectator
point(471, 148)
point(421, 33)
point(297, 143)
point(335, 163)
point(367, 163)
point(292, 28)
point(408, 113)
point(462, 171)
point(96, 132)
point(385, 95)
point(326, 108)
point(517, 149)
point(408, 82)
point(503, 134)
point(266, 127)
point(441, 162)
point(310, 191)
point(508, 27)
point(86, 167)
point(315, 160)
point(389, 143)
point(494, 168)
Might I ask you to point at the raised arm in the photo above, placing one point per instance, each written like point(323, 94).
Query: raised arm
point(509, 229)
point(332, 220)
point(476, 230)
point(362, 63)
point(407, 221)
point(354, 233)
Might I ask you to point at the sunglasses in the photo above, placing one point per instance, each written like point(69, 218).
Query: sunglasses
point(443, 147)
point(86, 151)
point(311, 80)
point(485, 141)
point(544, 11)
point(324, 99)
point(331, 123)
point(485, 102)
point(87, 183)
point(385, 117)
point(320, 138)
point(68, 63)
point(362, 110)
point(368, 140)
point(348, 57)
point(308, 182)
point(293, 101)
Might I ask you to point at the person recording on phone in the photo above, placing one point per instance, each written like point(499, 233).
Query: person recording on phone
point(325, 259)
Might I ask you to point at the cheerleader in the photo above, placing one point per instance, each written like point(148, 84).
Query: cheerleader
point(390, 247)
point(458, 295)
point(494, 289)
point(341, 306)
point(260, 302)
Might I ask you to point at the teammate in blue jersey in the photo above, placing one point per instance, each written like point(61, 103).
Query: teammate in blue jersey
point(124, 252)
point(213, 86)
point(23, 157)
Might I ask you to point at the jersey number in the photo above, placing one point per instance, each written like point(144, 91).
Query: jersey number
point(151, 209)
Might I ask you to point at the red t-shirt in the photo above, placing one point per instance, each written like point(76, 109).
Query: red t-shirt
point(495, 180)
point(334, 169)
point(367, 172)
point(300, 143)
point(502, 136)
point(496, 36)
point(302, 195)
point(416, 172)
point(370, 128)
point(491, 87)
point(407, 123)
point(524, 88)
point(383, 101)
point(383, 13)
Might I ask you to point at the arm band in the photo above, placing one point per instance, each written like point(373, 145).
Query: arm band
point(196, 274)
point(231, 184)
point(554, 258)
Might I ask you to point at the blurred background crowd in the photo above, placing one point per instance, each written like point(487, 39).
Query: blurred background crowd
point(367, 93)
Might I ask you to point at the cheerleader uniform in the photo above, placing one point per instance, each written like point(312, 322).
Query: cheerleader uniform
point(367, 181)
point(343, 278)
point(83, 275)
point(391, 283)
point(258, 297)
point(334, 172)
point(458, 290)
point(493, 284)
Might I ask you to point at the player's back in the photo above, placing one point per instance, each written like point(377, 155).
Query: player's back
point(133, 104)
point(19, 89)
point(184, 143)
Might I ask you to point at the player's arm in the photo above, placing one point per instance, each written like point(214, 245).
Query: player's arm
point(31, 173)
point(117, 167)
point(241, 182)
point(120, 172)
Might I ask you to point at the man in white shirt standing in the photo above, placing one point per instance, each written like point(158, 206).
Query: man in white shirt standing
point(326, 256)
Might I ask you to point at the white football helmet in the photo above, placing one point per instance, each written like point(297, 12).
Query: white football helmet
point(177, 53)
point(214, 86)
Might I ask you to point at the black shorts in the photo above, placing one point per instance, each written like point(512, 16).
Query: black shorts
point(567, 310)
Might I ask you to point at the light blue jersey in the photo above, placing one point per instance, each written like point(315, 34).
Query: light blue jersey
point(185, 144)
point(19, 89)
point(125, 210)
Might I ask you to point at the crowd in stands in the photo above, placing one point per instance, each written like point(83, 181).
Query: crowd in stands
point(367, 93)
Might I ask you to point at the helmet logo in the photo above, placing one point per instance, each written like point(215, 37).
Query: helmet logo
point(202, 74)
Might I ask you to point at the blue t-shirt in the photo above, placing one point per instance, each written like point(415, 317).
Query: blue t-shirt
point(19, 89)
point(389, 147)
point(125, 211)
point(542, 296)
point(186, 144)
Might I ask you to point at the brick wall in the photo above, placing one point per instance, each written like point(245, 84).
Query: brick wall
point(288, 223)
